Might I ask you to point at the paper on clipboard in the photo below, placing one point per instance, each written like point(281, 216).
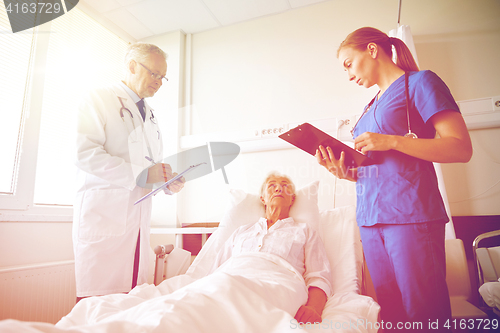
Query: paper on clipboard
point(164, 186)
point(309, 138)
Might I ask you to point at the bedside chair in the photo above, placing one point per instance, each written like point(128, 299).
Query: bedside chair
point(458, 280)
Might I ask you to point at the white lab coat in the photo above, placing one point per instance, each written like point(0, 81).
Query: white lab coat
point(110, 155)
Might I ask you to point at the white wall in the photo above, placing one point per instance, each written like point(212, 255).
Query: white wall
point(283, 69)
point(166, 104)
point(468, 62)
point(26, 243)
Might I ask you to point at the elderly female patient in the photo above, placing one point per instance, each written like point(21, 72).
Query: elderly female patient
point(280, 235)
point(265, 274)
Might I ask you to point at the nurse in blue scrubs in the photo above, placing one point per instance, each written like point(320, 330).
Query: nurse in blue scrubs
point(400, 211)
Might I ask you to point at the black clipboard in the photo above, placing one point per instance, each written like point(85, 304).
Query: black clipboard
point(309, 138)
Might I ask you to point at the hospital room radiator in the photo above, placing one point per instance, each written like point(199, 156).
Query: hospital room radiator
point(42, 292)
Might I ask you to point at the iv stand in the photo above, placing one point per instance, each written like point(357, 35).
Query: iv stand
point(399, 12)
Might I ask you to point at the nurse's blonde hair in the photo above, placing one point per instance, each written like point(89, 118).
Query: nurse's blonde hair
point(360, 38)
point(140, 51)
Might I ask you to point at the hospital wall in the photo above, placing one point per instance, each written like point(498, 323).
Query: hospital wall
point(283, 69)
point(469, 65)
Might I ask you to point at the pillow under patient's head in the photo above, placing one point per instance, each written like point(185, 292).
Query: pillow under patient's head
point(245, 208)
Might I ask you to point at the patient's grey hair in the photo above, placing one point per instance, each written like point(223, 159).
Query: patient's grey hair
point(140, 51)
point(276, 174)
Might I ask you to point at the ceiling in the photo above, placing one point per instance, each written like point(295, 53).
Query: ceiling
point(144, 18)
point(138, 19)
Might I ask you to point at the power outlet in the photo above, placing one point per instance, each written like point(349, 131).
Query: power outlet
point(270, 132)
point(496, 103)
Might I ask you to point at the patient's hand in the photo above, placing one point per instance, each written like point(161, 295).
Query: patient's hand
point(312, 310)
point(307, 314)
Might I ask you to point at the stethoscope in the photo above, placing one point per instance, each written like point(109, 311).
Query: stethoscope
point(410, 134)
point(123, 108)
point(152, 118)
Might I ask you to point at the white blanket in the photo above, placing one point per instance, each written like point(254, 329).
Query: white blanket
point(238, 298)
point(490, 292)
point(253, 292)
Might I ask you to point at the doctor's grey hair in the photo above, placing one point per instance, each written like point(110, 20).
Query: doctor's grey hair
point(140, 51)
point(276, 174)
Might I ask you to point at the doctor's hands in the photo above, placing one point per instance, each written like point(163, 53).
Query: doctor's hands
point(176, 186)
point(160, 172)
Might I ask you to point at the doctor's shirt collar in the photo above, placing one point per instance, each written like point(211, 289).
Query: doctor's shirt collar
point(130, 92)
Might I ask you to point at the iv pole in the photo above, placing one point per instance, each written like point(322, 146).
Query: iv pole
point(399, 12)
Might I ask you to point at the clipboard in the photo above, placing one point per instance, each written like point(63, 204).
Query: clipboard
point(309, 138)
point(164, 186)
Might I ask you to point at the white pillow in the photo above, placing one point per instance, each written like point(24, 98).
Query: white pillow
point(245, 208)
point(337, 228)
point(340, 235)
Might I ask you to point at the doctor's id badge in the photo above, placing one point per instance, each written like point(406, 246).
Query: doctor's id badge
point(26, 14)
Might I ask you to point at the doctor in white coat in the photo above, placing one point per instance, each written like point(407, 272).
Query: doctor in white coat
point(116, 142)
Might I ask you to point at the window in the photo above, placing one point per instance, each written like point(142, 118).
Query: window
point(45, 72)
point(15, 52)
point(81, 55)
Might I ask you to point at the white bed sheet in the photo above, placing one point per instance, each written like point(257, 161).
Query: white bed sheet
point(236, 298)
point(490, 292)
point(240, 301)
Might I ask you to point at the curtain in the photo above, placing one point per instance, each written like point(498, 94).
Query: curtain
point(403, 32)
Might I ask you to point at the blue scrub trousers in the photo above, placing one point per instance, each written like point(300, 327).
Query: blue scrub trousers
point(407, 264)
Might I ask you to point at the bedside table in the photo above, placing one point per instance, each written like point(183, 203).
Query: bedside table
point(179, 232)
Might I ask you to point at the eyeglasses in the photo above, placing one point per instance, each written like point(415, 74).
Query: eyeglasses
point(154, 75)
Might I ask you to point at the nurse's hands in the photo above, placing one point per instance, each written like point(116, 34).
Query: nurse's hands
point(374, 142)
point(452, 146)
point(326, 158)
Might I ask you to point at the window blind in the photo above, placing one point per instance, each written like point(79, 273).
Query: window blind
point(82, 55)
point(15, 52)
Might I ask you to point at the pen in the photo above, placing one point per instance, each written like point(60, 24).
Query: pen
point(150, 160)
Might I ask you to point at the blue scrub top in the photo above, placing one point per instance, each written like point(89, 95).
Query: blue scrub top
point(400, 188)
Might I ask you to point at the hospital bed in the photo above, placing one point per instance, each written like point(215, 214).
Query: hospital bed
point(186, 303)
